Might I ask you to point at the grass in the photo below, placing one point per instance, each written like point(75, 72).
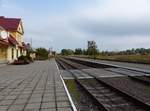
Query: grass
point(144, 59)
point(73, 89)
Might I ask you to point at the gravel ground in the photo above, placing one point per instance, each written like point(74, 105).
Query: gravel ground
point(134, 88)
point(101, 73)
point(126, 72)
point(110, 99)
point(81, 98)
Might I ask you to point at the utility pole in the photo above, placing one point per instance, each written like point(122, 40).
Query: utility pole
point(94, 52)
point(31, 41)
point(92, 49)
point(50, 52)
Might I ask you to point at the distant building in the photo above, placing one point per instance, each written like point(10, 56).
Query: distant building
point(11, 39)
point(52, 54)
point(30, 51)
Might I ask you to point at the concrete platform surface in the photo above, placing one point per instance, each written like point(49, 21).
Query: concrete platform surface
point(33, 87)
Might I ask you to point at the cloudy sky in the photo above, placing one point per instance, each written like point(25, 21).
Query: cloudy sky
point(113, 24)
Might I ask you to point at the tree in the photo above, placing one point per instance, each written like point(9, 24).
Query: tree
point(78, 51)
point(42, 53)
point(92, 48)
point(67, 52)
point(84, 52)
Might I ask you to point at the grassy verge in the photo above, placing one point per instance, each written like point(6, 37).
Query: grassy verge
point(144, 59)
point(82, 100)
point(73, 89)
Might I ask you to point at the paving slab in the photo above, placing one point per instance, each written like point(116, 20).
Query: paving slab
point(33, 87)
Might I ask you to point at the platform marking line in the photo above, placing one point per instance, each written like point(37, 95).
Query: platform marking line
point(68, 94)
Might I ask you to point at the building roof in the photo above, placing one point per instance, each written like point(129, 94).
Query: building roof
point(24, 46)
point(9, 24)
point(4, 43)
point(12, 40)
point(9, 41)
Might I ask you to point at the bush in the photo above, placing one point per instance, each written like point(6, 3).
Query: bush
point(23, 60)
point(29, 58)
point(19, 62)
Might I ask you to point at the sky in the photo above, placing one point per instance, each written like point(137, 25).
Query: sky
point(113, 24)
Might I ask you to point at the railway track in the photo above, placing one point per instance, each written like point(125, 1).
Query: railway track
point(108, 64)
point(138, 76)
point(105, 96)
point(87, 106)
point(143, 78)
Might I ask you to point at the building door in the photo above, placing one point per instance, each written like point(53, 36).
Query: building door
point(3, 54)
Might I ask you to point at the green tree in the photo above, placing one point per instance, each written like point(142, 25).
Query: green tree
point(42, 53)
point(84, 52)
point(67, 52)
point(92, 48)
point(78, 51)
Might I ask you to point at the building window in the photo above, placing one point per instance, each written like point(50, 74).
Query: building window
point(21, 51)
point(17, 53)
point(2, 50)
point(12, 53)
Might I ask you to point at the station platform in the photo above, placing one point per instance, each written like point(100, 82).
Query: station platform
point(133, 66)
point(34, 87)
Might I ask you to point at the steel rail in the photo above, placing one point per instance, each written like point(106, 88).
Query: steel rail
point(147, 106)
point(99, 105)
point(114, 65)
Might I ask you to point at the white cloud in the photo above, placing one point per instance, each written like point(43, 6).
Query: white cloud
point(127, 8)
point(120, 43)
point(112, 23)
point(118, 9)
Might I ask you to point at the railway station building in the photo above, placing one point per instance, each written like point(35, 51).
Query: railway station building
point(11, 39)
